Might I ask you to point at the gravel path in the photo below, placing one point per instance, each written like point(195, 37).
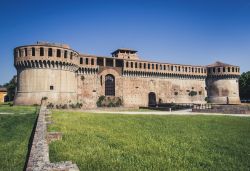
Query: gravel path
point(7, 113)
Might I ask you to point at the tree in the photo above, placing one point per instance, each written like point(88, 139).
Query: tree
point(11, 88)
point(244, 85)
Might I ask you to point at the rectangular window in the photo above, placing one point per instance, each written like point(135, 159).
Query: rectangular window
point(81, 61)
point(58, 53)
point(41, 52)
point(92, 62)
point(25, 52)
point(87, 61)
point(50, 52)
point(65, 54)
point(71, 55)
point(33, 52)
point(51, 87)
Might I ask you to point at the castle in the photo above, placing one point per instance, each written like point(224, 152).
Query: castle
point(65, 76)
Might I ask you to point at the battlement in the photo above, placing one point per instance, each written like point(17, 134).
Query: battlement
point(222, 69)
point(46, 55)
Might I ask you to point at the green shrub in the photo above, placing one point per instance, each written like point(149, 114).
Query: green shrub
point(100, 100)
point(44, 98)
point(50, 106)
point(106, 101)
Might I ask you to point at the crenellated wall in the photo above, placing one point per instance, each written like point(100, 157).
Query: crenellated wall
point(65, 76)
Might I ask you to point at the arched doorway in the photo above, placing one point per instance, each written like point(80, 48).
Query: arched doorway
point(151, 99)
point(109, 85)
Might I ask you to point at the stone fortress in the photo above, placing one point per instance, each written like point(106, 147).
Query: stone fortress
point(65, 76)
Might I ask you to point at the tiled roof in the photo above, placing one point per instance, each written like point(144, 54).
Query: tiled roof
point(219, 64)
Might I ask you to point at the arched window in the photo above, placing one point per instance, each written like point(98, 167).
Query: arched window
point(50, 52)
point(109, 85)
point(92, 62)
point(41, 51)
point(81, 61)
point(33, 51)
point(58, 53)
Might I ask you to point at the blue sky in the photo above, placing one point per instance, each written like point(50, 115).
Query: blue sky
point(195, 32)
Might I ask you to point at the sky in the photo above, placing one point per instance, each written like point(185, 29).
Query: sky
point(197, 32)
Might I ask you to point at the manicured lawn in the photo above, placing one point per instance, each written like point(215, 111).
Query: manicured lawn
point(15, 131)
point(150, 142)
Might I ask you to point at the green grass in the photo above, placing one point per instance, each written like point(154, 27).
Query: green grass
point(150, 142)
point(15, 131)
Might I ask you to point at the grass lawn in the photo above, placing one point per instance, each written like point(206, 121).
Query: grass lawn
point(15, 131)
point(150, 142)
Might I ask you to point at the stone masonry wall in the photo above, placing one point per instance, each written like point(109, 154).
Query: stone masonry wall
point(39, 154)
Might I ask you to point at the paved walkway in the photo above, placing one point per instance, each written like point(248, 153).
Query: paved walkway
point(180, 112)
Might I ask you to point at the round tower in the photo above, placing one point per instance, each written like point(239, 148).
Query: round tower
point(222, 83)
point(45, 70)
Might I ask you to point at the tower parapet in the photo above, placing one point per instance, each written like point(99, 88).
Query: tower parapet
point(222, 83)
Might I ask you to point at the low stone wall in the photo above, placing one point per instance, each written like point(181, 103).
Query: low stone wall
point(226, 109)
point(39, 153)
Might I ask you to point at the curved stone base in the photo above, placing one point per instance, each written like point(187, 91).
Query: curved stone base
point(224, 100)
point(52, 97)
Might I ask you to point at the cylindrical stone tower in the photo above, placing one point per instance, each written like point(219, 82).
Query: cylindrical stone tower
point(222, 83)
point(46, 70)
